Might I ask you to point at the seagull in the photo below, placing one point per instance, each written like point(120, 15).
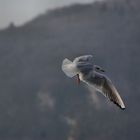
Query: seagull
point(92, 75)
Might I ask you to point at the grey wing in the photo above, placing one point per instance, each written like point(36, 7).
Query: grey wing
point(109, 90)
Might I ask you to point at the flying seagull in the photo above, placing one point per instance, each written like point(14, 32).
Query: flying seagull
point(91, 74)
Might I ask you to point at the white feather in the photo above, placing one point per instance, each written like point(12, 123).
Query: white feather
point(69, 68)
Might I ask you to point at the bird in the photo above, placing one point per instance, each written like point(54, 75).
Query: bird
point(93, 75)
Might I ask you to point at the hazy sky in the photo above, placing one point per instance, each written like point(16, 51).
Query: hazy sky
point(21, 11)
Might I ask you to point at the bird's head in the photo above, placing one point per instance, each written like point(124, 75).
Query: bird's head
point(83, 59)
point(84, 63)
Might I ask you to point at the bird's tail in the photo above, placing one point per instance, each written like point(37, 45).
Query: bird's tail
point(69, 68)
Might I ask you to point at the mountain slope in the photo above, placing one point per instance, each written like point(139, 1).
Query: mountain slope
point(39, 102)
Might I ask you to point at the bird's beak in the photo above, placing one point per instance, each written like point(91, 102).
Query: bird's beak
point(78, 79)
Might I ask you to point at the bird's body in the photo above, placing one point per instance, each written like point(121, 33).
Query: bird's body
point(93, 78)
point(84, 68)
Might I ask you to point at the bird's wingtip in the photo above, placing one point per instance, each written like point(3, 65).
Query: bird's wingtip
point(123, 108)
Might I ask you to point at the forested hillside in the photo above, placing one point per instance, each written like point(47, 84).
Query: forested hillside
point(38, 102)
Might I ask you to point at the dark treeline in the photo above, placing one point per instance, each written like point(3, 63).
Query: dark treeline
point(38, 102)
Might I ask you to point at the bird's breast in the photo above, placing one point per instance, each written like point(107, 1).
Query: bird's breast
point(96, 80)
point(81, 76)
point(84, 77)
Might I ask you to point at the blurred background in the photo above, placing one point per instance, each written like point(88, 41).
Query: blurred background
point(37, 101)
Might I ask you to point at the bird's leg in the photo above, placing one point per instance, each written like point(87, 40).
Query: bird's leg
point(98, 68)
point(78, 79)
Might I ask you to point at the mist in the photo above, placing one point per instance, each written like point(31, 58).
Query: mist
point(19, 12)
point(39, 102)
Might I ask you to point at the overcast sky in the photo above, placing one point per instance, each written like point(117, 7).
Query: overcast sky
point(21, 11)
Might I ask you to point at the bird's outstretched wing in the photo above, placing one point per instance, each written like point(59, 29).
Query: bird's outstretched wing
point(109, 90)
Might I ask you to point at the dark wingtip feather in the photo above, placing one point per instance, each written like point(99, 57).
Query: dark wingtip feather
point(122, 108)
point(118, 105)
